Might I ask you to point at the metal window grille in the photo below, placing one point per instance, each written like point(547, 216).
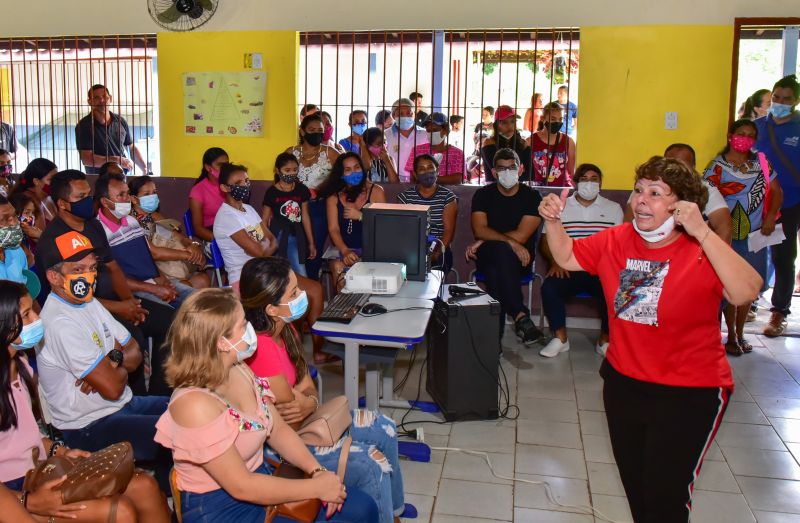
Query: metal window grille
point(43, 92)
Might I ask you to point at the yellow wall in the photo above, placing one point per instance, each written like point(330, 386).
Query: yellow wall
point(181, 155)
point(631, 76)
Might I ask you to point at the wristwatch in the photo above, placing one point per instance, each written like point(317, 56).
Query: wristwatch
point(116, 356)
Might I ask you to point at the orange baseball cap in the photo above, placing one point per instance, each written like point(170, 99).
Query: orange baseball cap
point(69, 247)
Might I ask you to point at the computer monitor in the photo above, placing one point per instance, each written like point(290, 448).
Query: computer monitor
point(397, 233)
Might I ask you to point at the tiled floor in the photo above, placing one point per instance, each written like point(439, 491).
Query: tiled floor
point(561, 437)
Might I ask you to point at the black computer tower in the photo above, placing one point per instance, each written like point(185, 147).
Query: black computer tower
point(463, 357)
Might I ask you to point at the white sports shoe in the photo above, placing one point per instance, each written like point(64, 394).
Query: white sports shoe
point(554, 348)
point(601, 348)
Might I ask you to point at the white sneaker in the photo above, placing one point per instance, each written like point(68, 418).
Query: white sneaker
point(554, 348)
point(601, 348)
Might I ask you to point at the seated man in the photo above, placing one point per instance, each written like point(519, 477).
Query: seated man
point(505, 217)
point(143, 318)
point(585, 213)
point(130, 246)
point(85, 361)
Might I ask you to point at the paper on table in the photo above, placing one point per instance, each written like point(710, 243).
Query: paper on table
point(757, 240)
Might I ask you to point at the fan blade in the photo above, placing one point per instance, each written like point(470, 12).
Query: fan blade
point(169, 16)
point(208, 5)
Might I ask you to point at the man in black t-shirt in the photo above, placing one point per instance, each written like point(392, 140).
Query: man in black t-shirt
point(505, 218)
point(103, 136)
point(143, 318)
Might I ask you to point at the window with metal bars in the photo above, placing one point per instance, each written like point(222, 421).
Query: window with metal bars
point(458, 73)
point(43, 94)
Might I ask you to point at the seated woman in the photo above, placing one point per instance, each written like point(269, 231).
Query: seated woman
point(272, 300)
point(443, 206)
point(242, 234)
point(206, 198)
point(347, 191)
point(21, 329)
point(35, 182)
point(221, 415)
point(176, 255)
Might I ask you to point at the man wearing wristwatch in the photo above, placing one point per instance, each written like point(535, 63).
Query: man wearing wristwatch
point(85, 360)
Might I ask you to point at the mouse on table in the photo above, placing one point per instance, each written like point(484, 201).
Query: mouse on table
point(373, 309)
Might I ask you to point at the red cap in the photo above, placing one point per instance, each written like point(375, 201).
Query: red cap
point(503, 112)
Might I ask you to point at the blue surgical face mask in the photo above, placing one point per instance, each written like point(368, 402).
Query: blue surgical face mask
point(149, 203)
point(780, 110)
point(249, 337)
point(359, 128)
point(354, 178)
point(297, 307)
point(31, 334)
point(405, 122)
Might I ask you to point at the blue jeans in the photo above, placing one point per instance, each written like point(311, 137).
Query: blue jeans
point(136, 423)
point(184, 291)
point(293, 254)
point(318, 212)
point(555, 292)
point(218, 506)
point(378, 476)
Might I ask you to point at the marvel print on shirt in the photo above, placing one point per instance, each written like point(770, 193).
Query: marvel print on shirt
point(640, 285)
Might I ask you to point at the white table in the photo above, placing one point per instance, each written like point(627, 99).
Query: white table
point(401, 329)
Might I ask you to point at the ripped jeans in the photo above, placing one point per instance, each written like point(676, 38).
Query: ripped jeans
point(373, 464)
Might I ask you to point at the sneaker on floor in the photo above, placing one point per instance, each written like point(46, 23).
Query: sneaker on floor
point(527, 331)
point(776, 325)
point(601, 348)
point(554, 348)
point(751, 316)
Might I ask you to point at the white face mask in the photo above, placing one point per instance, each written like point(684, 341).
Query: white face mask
point(657, 234)
point(436, 137)
point(588, 190)
point(508, 178)
point(121, 209)
point(250, 338)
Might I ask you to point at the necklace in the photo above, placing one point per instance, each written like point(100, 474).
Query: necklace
point(304, 156)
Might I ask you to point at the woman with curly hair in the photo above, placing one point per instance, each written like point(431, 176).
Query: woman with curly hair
point(667, 380)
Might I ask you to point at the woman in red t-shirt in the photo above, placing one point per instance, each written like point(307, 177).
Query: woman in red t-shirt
point(667, 380)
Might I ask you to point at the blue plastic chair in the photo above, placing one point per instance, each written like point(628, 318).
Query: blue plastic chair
point(217, 263)
point(187, 224)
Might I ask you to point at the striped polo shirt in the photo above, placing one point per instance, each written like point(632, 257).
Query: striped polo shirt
point(580, 221)
point(129, 247)
point(440, 199)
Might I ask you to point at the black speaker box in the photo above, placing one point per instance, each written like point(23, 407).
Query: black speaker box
point(463, 356)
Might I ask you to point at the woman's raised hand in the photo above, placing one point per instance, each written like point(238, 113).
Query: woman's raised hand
point(552, 205)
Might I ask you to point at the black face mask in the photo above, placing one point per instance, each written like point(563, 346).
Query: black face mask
point(240, 193)
point(83, 208)
point(554, 127)
point(314, 139)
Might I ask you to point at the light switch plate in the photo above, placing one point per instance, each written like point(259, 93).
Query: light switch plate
point(671, 121)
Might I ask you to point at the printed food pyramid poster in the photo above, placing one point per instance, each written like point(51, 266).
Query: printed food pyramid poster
point(224, 103)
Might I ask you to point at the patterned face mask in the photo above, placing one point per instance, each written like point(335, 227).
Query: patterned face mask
point(10, 237)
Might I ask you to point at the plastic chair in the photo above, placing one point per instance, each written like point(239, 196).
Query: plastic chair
point(176, 495)
point(316, 376)
point(217, 263)
point(187, 224)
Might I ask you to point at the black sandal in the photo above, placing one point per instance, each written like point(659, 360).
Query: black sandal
point(745, 345)
point(733, 348)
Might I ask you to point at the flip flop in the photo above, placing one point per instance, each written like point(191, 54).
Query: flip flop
point(733, 348)
point(745, 345)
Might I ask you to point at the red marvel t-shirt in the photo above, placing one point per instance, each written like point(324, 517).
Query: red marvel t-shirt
point(663, 307)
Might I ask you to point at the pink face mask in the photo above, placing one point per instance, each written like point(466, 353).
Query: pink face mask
point(328, 133)
point(375, 150)
point(741, 143)
point(213, 173)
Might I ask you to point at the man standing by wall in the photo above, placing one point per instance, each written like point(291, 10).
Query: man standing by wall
point(779, 140)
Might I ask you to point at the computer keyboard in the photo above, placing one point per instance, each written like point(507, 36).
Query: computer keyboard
point(344, 307)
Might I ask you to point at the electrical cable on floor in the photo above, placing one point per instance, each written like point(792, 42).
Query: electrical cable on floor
point(588, 509)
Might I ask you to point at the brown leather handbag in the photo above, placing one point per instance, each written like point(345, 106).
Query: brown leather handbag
point(106, 472)
point(304, 511)
point(326, 426)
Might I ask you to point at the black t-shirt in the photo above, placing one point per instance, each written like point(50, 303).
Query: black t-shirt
point(504, 213)
point(519, 146)
point(93, 230)
point(110, 140)
point(287, 211)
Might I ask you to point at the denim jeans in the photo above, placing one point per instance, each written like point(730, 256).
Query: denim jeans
point(555, 292)
point(136, 423)
point(783, 256)
point(318, 212)
point(292, 254)
point(218, 506)
point(183, 291)
point(373, 465)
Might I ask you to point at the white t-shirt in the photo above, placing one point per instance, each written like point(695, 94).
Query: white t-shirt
point(229, 221)
point(715, 200)
point(397, 144)
point(76, 339)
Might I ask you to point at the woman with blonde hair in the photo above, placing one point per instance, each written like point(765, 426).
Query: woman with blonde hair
point(219, 418)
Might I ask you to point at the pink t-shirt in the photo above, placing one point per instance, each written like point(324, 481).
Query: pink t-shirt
point(451, 161)
point(272, 359)
point(16, 443)
point(192, 447)
point(210, 197)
